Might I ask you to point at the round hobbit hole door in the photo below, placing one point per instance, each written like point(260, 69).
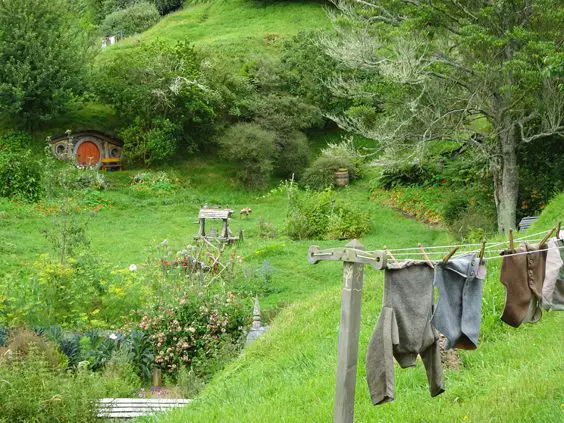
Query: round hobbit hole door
point(88, 154)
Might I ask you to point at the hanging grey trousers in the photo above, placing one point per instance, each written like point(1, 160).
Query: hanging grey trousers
point(403, 331)
point(457, 315)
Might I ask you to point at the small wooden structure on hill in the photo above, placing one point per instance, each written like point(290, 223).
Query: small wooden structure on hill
point(216, 213)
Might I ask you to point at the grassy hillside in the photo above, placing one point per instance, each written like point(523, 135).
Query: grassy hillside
point(234, 28)
point(514, 375)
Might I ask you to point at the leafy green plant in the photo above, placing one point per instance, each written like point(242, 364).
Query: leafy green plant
point(20, 176)
point(34, 390)
point(153, 182)
point(253, 148)
point(321, 173)
point(43, 71)
point(152, 142)
point(15, 141)
point(194, 325)
point(321, 215)
point(136, 18)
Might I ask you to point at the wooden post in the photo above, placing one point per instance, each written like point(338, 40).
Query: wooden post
point(202, 231)
point(349, 331)
point(225, 229)
point(354, 258)
point(156, 377)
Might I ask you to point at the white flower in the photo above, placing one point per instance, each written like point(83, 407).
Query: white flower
point(132, 267)
point(113, 336)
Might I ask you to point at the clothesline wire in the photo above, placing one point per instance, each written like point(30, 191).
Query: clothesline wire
point(501, 256)
point(446, 251)
point(489, 245)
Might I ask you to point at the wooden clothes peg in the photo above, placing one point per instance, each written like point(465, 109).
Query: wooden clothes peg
point(482, 249)
point(389, 253)
point(511, 245)
point(558, 230)
point(543, 241)
point(449, 255)
point(427, 259)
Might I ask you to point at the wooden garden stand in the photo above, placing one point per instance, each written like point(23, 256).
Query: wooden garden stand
point(216, 214)
point(354, 258)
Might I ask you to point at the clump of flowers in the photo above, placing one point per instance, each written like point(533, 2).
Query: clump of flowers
point(196, 325)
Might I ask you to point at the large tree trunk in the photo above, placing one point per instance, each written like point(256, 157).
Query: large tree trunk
point(506, 179)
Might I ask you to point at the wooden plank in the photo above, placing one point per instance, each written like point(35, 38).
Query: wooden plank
point(146, 400)
point(139, 409)
point(215, 213)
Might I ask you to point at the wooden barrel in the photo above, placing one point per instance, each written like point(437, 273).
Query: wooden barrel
point(341, 178)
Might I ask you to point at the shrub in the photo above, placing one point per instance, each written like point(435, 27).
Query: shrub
point(158, 81)
point(15, 141)
point(134, 19)
point(63, 179)
point(20, 176)
point(404, 174)
point(320, 215)
point(32, 390)
point(196, 325)
point(22, 342)
point(154, 182)
point(321, 174)
point(167, 6)
point(253, 148)
point(293, 154)
point(153, 142)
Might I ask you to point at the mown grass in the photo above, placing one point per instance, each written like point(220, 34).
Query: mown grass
point(234, 29)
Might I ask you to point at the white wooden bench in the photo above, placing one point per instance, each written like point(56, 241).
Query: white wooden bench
point(130, 408)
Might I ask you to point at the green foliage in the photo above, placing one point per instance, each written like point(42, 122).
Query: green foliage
point(35, 391)
point(134, 19)
point(14, 141)
point(404, 174)
point(167, 6)
point(152, 182)
point(252, 148)
point(196, 325)
point(154, 85)
point(321, 215)
point(321, 173)
point(151, 142)
point(293, 154)
point(40, 70)
point(20, 175)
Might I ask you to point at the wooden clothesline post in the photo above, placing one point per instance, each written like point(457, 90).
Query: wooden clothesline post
point(354, 258)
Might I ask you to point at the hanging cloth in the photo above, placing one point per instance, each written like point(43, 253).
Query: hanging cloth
point(403, 331)
point(553, 287)
point(457, 314)
point(523, 276)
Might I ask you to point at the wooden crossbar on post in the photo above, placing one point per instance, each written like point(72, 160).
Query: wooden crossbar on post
point(354, 258)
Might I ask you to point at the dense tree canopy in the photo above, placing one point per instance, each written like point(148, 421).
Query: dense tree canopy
point(488, 74)
point(43, 58)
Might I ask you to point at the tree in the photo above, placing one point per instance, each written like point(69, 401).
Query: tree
point(44, 57)
point(481, 72)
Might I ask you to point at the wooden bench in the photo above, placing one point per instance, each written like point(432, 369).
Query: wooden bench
point(526, 222)
point(113, 163)
point(130, 408)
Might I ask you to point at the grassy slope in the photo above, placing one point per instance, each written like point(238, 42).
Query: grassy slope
point(515, 375)
point(235, 28)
